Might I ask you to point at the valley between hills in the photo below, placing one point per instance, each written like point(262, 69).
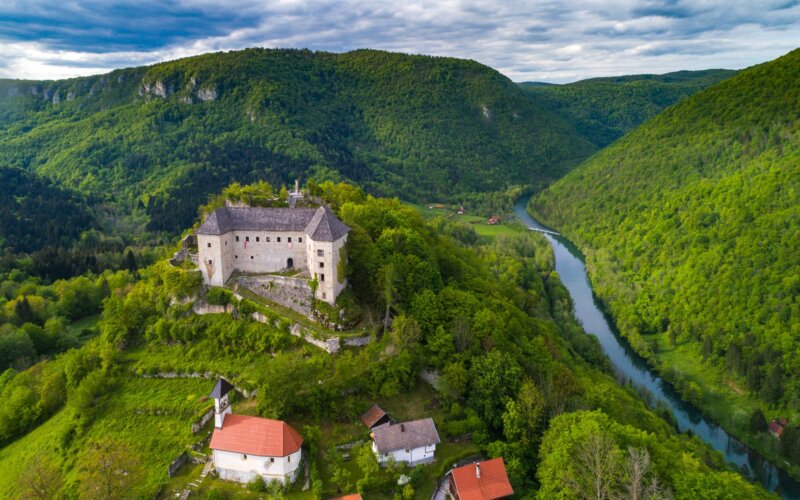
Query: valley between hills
point(432, 299)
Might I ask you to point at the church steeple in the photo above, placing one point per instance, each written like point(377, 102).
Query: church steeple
point(221, 405)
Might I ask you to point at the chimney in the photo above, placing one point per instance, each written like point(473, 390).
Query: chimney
point(478, 471)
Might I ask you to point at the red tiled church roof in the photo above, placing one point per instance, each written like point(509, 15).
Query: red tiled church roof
point(257, 436)
point(492, 483)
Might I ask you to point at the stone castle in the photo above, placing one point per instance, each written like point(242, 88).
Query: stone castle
point(267, 240)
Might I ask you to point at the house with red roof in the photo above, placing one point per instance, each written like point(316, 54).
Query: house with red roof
point(244, 447)
point(776, 427)
point(485, 480)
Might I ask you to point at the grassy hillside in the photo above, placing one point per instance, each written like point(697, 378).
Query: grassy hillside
point(691, 224)
point(162, 138)
point(605, 109)
point(492, 322)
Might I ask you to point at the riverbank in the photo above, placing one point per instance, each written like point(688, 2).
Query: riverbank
point(719, 396)
point(635, 368)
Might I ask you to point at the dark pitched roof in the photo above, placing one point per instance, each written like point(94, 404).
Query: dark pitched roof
point(320, 224)
point(406, 435)
point(222, 388)
point(373, 416)
point(488, 484)
point(325, 226)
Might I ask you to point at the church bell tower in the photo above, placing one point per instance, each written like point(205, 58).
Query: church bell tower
point(222, 406)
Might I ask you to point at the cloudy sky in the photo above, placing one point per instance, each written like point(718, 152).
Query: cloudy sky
point(542, 40)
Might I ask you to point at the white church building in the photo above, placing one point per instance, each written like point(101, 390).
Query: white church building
point(245, 447)
point(265, 240)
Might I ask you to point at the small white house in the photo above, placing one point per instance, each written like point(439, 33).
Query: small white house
point(412, 442)
point(245, 447)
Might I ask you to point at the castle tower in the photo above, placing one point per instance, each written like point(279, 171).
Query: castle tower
point(221, 405)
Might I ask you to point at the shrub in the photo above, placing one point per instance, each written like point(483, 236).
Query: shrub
point(219, 296)
point(257, 484)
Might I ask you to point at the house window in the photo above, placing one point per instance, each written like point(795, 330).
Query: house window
point(322, 277)
point(299, 239)
point(321, 265)
point(258, 239)
point(267, 239)
point(272, 459)
point(279, 239)
point(237, 238)
point(289, 458)
point(289, 239)
point(209, 245)
point(246, 238)
point(320, 253)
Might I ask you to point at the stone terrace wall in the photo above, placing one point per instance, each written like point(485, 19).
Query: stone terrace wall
point(288, 291)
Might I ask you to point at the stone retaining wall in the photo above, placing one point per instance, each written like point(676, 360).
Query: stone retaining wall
point(288, 291)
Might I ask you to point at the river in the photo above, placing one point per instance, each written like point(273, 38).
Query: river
point(570, 268)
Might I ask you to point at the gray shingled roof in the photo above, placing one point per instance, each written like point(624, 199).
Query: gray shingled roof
point(222, 388)
point(406, 435)
point(319, 223)
point(325, 226)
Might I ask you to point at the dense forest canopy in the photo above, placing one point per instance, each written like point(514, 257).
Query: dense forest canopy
point(38, 213)
point(605, 109)
point(691, 224)
point(162, 138)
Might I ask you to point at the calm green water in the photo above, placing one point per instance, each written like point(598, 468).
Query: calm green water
point(570, 268)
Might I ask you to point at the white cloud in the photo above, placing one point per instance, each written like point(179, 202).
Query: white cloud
point(526, 40)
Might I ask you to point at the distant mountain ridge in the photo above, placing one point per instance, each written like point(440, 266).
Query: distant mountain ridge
point(605, 109)
point(162, 137)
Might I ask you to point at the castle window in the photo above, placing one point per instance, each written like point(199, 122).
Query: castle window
point(235, 256)
point(289, 239)
point(322, 277)
point(237, 238)
point(267, 239)
point(321, 265)
point(258, 239)
point(272, 459)
point(226, 243)
point(251, 257)
point(246, 238)
point(209, 245)
point(244, 457)
point(320, 253)
point(279, 239)
point(323, 295)
point(289, 458)
point(299, 239)
point(210, 262)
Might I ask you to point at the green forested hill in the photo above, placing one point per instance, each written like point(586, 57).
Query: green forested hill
point(692, 227)
point(515, 376)
point(605, 109)
point(163, 137)
point(36, 213)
